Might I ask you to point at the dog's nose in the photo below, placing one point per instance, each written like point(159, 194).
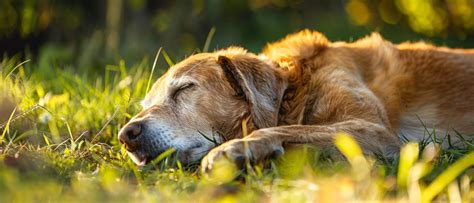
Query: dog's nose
point(129, 134)
point(132, 130)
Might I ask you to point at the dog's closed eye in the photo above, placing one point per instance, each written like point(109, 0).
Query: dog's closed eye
point(180, 89)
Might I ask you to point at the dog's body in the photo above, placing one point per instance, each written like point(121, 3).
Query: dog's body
point(302, 90)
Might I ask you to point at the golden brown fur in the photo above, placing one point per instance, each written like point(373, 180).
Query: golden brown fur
point(303, 89)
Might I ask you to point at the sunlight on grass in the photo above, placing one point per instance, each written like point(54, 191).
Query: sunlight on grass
point(224, 171)
point(60, 136)
point(408, 156)
point(447, 177)
point(152, 70)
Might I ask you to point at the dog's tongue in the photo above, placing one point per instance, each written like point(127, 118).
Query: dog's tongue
point(142, 162)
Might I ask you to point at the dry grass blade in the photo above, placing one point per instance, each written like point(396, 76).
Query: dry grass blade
point(105, 125)
point(7, 126)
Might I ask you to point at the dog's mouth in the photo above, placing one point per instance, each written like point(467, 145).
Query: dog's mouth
point(140, 159)
point(143, 158)
point(143, 162)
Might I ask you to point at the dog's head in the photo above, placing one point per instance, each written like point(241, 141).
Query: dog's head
point(201, 102)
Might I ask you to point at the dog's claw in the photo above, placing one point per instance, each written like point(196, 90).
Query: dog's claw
point(277, 152)
point(239, 160)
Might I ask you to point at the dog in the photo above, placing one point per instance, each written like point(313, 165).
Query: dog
point(304, 89)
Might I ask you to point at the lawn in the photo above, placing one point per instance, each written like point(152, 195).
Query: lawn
point(58, 143)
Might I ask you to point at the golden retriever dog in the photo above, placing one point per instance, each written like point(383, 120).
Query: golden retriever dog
point(302, 90)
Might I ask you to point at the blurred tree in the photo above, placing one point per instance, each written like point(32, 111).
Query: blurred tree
point(98, 31)
point(114, 12)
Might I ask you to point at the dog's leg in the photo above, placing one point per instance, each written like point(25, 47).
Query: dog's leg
point(373, 139)
point(343, 100)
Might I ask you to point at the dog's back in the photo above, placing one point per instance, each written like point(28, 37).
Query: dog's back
point(426, 90)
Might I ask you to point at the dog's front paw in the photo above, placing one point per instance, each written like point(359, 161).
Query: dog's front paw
point(241, 151)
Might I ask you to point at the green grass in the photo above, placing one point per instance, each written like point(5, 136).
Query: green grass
point(58, 143)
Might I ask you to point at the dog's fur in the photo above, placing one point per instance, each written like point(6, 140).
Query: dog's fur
point(302, 90)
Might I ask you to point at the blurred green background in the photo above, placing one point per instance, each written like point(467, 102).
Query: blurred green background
point(72, 73)
point(87, 34)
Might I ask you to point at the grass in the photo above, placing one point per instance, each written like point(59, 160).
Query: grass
point(58, 144)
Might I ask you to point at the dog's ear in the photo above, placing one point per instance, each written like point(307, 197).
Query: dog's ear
point(259, 83)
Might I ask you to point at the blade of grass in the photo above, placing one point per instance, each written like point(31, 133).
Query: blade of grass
point(69, 131)
point(135, 171)
point(167, 58)
point(106, 124)
point(46, 140)
point(7, 126)
point(159, 158)
point(347, 145)
point(447, 177)
point(17, 66)
point(210, 35)
point(20, 115)
point(207, 138)
point(408, 156)
point(152, 70)
point(404, 139)
point(244, 127)
point(454, 195)
point(461, 137)
point(425, 139)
